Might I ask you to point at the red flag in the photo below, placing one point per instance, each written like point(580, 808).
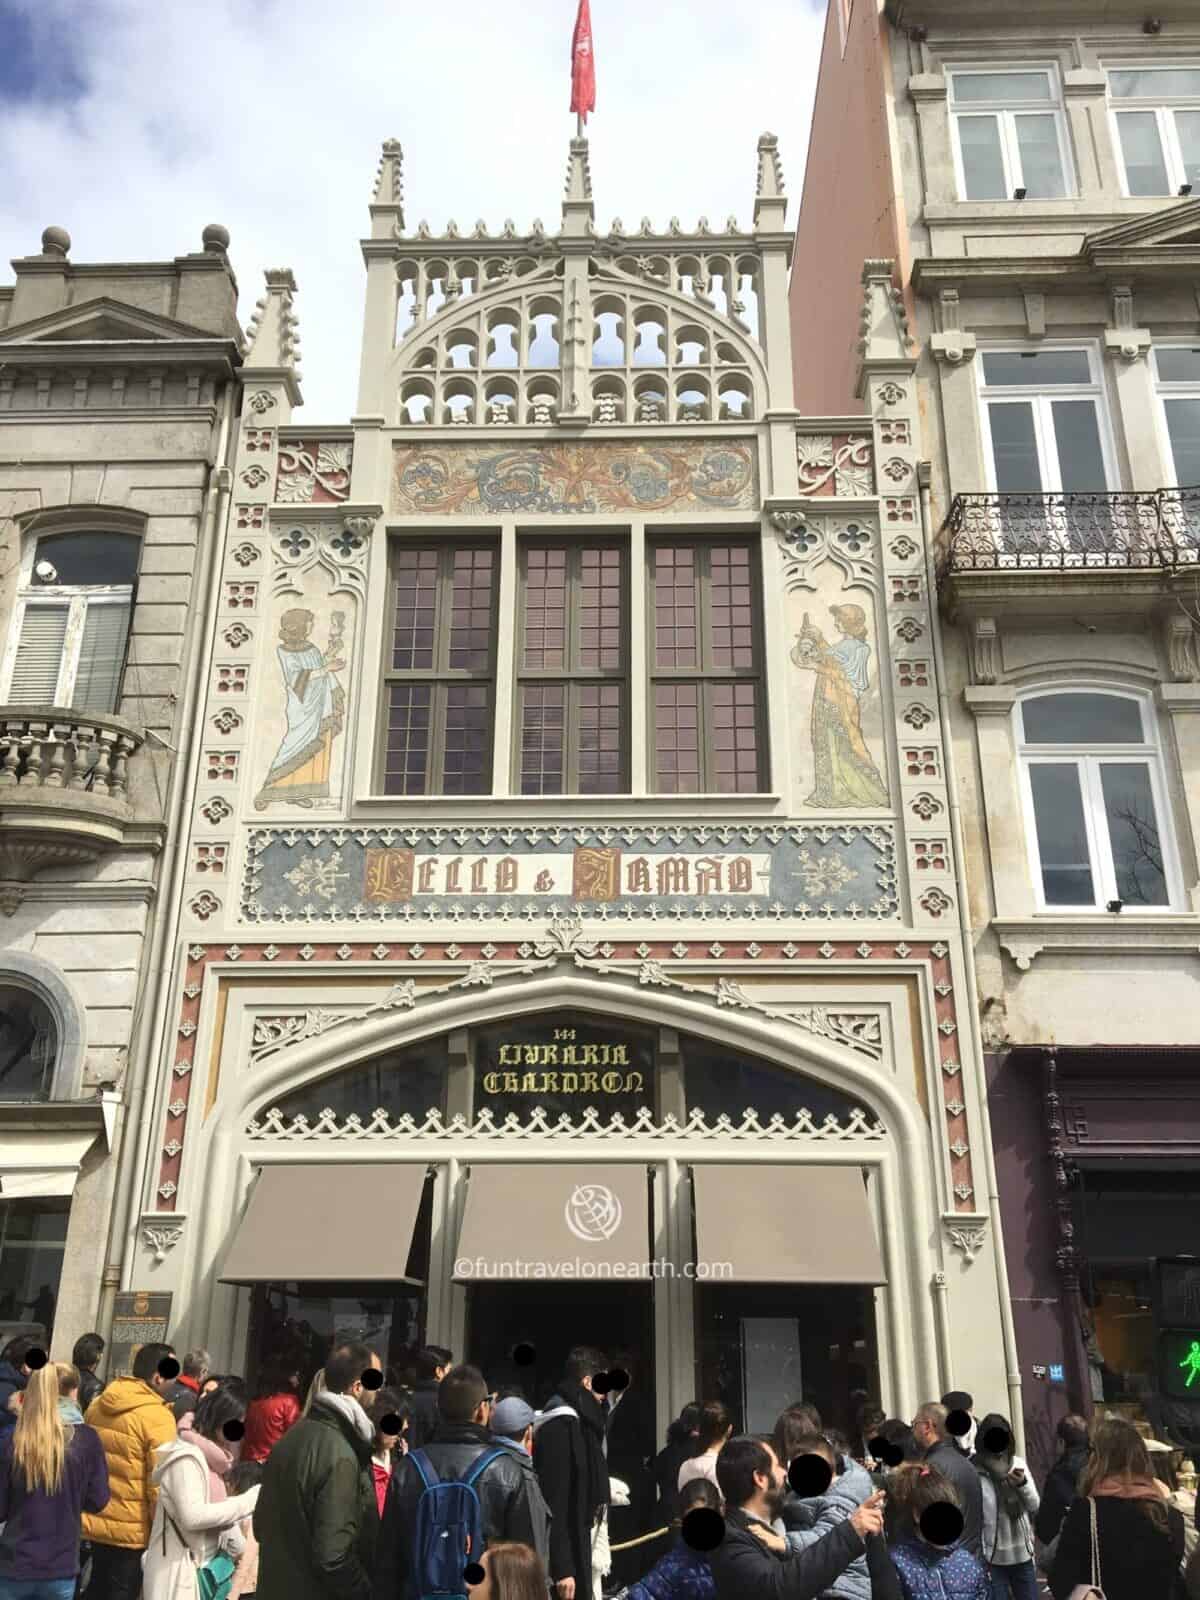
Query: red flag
point(583, 63)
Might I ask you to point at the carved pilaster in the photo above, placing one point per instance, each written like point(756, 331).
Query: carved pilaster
point(1179, 645)
point(985, 651)
point(951, 343)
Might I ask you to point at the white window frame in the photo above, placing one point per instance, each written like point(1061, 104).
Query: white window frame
point(1088, 759)
point(1166, 390)
point(1042, 396)
point(1164, 114)
point(1006, 112)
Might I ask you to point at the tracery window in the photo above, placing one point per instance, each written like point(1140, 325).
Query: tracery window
point(71, 627)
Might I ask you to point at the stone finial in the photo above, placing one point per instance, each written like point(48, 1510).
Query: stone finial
point(883, 321)
point(387, 197)
point(55, 241)
point(579, 214)
point(215, 239)
point(770, 201)
point(273, 338)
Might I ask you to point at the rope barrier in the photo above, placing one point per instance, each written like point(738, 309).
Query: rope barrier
point(645, 1538)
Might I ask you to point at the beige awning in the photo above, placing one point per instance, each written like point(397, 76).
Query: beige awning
point(42, 1162)
point(560, 1222)
point(784, 1224)
point(327, 1220)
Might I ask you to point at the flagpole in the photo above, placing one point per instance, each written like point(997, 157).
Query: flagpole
point(579, 125)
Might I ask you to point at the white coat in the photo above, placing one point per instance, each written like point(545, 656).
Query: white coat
point(201, 1528)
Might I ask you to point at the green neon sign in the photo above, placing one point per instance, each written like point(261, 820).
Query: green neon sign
point(1191, 1363)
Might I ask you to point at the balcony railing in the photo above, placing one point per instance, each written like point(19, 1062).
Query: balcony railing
point(49, 747)
point(1061, 532)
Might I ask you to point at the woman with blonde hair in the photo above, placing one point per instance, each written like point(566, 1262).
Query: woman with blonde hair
point(1121, 1535)
point(510, 1571)
point(52, 1470)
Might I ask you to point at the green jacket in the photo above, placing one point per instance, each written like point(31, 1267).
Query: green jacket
point(317, 1518)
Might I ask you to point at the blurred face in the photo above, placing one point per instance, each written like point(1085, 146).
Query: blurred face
point(487, 1589)
point(359, 1391)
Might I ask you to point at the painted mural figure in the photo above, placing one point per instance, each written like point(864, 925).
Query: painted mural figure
point(845, 772)
point(315, 712)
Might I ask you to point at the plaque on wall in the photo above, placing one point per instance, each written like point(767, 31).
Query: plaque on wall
point(139, 1318)
point(564, 1066)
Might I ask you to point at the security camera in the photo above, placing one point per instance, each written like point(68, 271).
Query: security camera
point(46, 571)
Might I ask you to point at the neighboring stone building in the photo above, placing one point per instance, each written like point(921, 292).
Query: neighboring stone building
point(568, 866)
point(1029, 169)
point(116, 411)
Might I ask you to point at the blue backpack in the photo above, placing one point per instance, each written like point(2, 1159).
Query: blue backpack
point(449, 1531)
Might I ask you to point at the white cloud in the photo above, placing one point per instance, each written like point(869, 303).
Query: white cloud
point(268, 117)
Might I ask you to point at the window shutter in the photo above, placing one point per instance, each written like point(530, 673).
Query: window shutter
point(102, 656)
point(39, 656)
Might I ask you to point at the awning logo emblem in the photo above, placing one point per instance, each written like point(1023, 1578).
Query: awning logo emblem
point(593, 1212)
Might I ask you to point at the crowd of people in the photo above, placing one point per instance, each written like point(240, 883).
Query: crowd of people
point(173, 1483)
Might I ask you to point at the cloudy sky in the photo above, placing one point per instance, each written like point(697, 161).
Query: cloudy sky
point(132, 123)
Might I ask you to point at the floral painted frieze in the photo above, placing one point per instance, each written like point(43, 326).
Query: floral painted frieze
point(835, 464)
point(313, 472)
point(810, 871)
point(574, 478)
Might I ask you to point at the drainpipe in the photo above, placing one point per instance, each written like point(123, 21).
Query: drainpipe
point(1007, 1329)
point(153, 1011)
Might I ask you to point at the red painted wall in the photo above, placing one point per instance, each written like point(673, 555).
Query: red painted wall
point(848, 211)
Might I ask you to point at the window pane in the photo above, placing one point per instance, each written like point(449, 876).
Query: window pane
point(601, 624)
point(466, 768)
point(101, 658)
point(1145, 168)
point(734, 738)
point(731, 606)
point(1154, 83)
point(543, 738)
point(33, 1239)
point(28, 1044)
point(415, 580)
point(1183, 425)
point(1041, 159)
point(406, 748)
point(545, 608)
point(1014, 449)
point(1032, 368)
point(601, 738)
point(39, 656)
point(1002, 86)
point(677, 738)
point(471, 611)
point(1178, 365)
point(982, 161)
point(1133, 833)
point(675, 620)
point(87, 559)
point(1187, 131)
point(1061, 834)
point(1082, 719)
point(1080, 459)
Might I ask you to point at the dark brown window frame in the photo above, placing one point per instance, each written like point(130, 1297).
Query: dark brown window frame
point(572, 676)
point(704, 674)
point(441, 675)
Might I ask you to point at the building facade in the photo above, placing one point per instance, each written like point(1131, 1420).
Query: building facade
point(1030, 171)
point(116, 409)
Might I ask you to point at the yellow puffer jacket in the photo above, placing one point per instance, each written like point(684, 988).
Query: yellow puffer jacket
point(132, 1420)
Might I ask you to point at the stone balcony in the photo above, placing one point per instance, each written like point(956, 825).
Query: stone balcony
point(1080, 554)
point(64, 789)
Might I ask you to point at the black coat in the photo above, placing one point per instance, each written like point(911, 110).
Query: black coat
point(568, 1453)
point(423, 1405)
point(504, 1503)
point(744, 1568)
point(1062, 1485)
point(678, 1449)
point(1138, 1561)
point(89, 1387)
point(951, 1463)
point(317, 1519)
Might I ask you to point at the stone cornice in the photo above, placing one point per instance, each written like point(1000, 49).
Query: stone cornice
point(63, 353)
point(1105, 933)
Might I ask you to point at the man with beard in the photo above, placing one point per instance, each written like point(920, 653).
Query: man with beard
point(569, 1457)
point(755, 1562)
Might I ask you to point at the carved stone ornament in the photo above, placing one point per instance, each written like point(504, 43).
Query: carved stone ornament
point(951, 343)
point(161, 1236)
point(966, 1235)
point(985, 651)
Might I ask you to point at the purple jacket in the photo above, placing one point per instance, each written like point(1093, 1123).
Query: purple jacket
point(40, 1541)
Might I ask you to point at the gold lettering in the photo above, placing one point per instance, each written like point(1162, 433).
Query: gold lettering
point(453, 869)
point(550, 1082)
point(570, 1083)
point(590, 1056)
point(491, 1083)
point(620, 1055)
point(740, 869)
point(544, 882)
point(510, 1082)
point(708, 875)
point(508, 1056)
point(425, 875)
point(569, 1058)
point(529, 1083)
point(637, 875)
point(589, 1081)
point(478, 885)
point(564, 1033)
point(632, 1087)
point(611, 1083)
point(674, 875)
point(506, 875)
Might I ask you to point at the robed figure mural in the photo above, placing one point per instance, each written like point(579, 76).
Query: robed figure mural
point(845, 774)
point(314, 711)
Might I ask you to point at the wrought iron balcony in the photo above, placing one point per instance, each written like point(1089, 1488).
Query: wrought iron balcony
point(64, 788)
point(987, 533)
